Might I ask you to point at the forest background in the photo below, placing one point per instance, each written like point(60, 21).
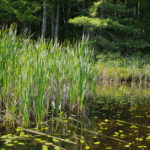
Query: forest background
point(112, 25)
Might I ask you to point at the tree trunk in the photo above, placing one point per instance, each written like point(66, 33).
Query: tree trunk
point(30, 27)
point(52, 23)
point(44, 23)
point(57, 22)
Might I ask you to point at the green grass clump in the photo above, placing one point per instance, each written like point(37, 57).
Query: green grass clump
point(113, 66)
point(37, 76)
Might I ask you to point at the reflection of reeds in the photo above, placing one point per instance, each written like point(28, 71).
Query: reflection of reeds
point(38, 80)
point(124, 93)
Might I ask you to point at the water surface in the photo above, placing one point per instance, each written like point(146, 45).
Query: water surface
point(118, 119)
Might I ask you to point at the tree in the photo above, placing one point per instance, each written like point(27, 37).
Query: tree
point(44, 22)
point(112, 27)
point(143, 18)
point(25, 11)
point(46, 19)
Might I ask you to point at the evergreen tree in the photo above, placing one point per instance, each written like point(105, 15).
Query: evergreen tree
point(112, 28)
point(143, 18)
point(25, 11)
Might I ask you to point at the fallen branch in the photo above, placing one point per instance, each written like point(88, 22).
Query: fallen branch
point(40, 133)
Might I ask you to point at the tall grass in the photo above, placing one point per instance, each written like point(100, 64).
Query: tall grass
point(38, 76)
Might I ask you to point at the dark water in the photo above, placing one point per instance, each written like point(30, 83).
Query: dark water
point(119, 119)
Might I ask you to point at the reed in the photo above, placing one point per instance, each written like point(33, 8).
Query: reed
point(39, 76)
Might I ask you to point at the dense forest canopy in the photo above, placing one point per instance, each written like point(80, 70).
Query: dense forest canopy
point(112, 25)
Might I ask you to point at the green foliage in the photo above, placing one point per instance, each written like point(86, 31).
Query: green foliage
point(24, 10)
point(116, 30)
point(113, 66)
point(42, 78)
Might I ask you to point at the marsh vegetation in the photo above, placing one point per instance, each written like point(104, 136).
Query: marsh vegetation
point(57, 95)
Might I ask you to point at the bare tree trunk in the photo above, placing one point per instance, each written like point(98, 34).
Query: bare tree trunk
point(138, 11)
point(68, 16)
point(39, 31)
point(68, 13)
point(57, 21)
point(87, 27)
point(44, 23)
point(52, 22)
point(29, 27)
point(24, 25)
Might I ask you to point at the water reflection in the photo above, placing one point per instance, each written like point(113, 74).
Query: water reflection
point(118, 119)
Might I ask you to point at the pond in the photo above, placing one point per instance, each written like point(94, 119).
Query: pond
point(118, 119)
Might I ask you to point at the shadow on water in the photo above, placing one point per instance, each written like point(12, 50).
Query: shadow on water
point(119, 119)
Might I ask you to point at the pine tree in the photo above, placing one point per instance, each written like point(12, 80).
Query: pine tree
point(111, 27)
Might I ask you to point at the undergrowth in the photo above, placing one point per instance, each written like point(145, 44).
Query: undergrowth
point(113, 66)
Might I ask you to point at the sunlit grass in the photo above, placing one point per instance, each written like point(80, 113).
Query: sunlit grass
point(38, 76)
point(113, 66)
